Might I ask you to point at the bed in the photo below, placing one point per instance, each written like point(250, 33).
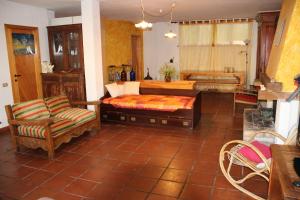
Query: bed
point(154, 107)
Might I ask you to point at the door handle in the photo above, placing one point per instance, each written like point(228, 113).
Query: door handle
point(17, 75)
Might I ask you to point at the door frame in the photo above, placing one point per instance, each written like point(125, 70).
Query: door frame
point(12, 64)
point(139, 55)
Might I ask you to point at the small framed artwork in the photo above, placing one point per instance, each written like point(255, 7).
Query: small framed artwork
point(23, 44)
point(279, 33)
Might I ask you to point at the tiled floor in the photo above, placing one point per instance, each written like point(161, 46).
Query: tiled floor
point(126, 162)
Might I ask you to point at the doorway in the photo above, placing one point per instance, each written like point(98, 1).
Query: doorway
point(137, 56)
point(24, 62)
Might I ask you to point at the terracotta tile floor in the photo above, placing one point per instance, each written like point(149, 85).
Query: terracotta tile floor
point(126, 162)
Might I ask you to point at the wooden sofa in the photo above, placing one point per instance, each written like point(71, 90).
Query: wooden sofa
point(215, 80)
point(48, 123)
point(186, 118)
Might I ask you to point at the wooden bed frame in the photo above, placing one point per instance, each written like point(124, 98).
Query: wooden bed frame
point(186, 118)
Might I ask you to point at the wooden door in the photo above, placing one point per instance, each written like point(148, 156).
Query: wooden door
point(24, 61)
point(137, 56)
point(266, 30)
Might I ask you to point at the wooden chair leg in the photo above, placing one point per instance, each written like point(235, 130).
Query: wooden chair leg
point(50, 154)
point(50, 144)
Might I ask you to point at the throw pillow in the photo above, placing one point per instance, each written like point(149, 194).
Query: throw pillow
point(132, 88)
point(115, 89)
point(251, 155)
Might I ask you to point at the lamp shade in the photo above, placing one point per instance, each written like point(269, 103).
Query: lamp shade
point(170, 35)
point(143, 25)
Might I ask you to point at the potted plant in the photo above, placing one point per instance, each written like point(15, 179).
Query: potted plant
point(168, 71)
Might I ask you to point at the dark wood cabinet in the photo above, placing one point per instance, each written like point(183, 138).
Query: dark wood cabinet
point(66, 48)
point(267, 24)
point(71, 84)
point(66, 54)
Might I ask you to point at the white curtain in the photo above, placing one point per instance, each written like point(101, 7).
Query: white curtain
point(212, 47)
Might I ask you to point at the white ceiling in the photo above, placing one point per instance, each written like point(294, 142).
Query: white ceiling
point(184, 10)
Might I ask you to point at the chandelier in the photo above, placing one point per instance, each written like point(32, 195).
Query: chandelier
point(147, 25)
point(171, 34)
point(143, 24)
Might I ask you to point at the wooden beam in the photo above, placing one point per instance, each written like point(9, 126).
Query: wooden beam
point(271, 95)
point(266, 81)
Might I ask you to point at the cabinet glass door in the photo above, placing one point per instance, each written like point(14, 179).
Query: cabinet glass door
point(74, 50)
point(58, 50)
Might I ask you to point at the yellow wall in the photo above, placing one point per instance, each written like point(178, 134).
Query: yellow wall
point(284, 62)
point(116, 43)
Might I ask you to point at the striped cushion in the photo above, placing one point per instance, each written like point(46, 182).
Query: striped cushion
point(77, 114)
point(34, 109)
point(59, 126)
point(57, 104)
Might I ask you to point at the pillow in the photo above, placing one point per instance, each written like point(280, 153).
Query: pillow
point(251, 155)
point(132, 88)
point(30, 110)
point(57, 104)
point(115, 89)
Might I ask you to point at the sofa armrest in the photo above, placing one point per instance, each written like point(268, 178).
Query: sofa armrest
point(41, 122)
point(85, 102)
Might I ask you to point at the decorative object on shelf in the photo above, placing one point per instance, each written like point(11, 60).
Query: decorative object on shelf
point(168, 71)
point(171, 34)
point(111, 72)
point(117, 76)
point(148, 77)
point(47, 67)
point(132, 74)
point(143, 24)
point(123, 74)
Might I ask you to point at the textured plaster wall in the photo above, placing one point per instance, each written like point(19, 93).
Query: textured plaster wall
point(284, 61)
point(116, 43)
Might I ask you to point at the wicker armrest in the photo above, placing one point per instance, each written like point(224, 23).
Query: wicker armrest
point(41, 122)
point(270, 132)
point(86, 102)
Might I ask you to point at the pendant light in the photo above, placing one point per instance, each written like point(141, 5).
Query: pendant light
point(171, 34)
point(143, 24)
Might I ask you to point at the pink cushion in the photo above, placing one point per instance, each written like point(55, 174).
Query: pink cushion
point(251, 155)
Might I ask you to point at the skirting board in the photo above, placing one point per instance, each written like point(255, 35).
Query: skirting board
point(4, 129)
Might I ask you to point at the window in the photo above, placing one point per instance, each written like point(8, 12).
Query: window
point(212, 47)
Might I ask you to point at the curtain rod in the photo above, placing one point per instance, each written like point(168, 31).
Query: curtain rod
point(215, 21)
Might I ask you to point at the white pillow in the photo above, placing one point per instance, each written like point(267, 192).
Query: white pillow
point(132, 87)
point(115, 89)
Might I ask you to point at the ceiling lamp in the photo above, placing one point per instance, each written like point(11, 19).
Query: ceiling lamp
point(143, 24)
point(171, 34)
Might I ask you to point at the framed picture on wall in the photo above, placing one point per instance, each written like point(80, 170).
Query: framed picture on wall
point(23, 44)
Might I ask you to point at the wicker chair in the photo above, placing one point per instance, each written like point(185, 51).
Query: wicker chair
point(230, 155)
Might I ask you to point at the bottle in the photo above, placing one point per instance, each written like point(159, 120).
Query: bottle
point(123, 75)
point(132, 75)
point(117, 76)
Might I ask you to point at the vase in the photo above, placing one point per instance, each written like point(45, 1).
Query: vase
point(168, 78)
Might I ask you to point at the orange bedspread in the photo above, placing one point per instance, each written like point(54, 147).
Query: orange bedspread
point(151, 102)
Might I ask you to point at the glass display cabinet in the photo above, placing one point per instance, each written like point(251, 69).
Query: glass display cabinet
point(66, 49)
point(66, 54)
